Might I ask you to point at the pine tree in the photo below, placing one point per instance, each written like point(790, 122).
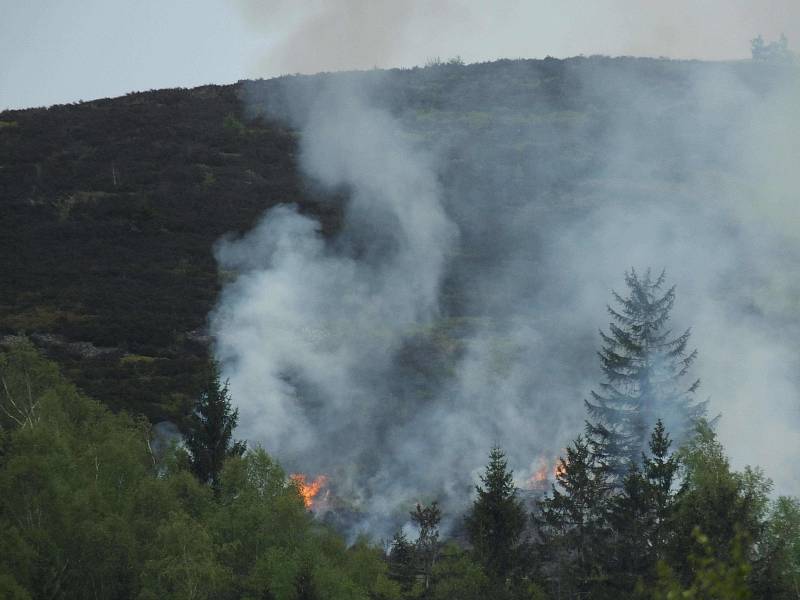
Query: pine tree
point(660, 470)
point(644, 369)
point(639, 514)
point(210, 439)
point(401, 561)
point(572, 524)
point(497, 520)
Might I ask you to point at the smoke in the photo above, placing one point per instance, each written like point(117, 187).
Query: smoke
point(318, 35)
point(310, 329)
point(482, 230)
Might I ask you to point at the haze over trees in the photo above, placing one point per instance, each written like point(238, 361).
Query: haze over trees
point(645, 368)
point(88, 509)
point(110, 211)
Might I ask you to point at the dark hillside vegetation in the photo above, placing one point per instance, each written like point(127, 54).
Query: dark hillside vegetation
point(109, 209)
point(109, 214)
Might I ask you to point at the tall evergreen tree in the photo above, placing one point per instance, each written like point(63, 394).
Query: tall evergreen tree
point(639, 514)
point(210, 439)
point(644, 368)
point(572, 524)
point(497, 519)
point(660, 469)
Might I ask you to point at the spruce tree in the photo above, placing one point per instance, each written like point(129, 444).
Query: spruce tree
point(210, 439)
point(660, 470)
point(639, 514)
point(401, 561)
point(572, 524)
point(644, 368)
point(497, 519)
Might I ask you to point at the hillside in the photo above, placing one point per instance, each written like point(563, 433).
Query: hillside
point(110, 209)
point(109, 213)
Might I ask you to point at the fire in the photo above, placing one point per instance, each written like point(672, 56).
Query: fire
point(544, 470)
point(539, 476)
point(308, 490)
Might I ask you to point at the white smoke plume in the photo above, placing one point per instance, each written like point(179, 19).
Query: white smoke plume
point(458, 305)
point(310, 328)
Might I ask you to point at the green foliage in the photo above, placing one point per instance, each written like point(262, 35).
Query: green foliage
point(402, 562)
point(87, 511)
point(712, 577)
point(497, 519)
point(643, 367)
point(210, 437)
point(457, 576)
point(426, 549)
point(572, 521)
point(233, 125)
point(777, 569)
point(639, 516)
point(25, 381)
point(725, 505)
point(183, 564)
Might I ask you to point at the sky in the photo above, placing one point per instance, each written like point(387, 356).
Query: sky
point(57, 51)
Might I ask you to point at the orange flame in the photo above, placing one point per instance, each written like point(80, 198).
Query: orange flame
point(545, 469)
point(308, 490)
point(539, 477)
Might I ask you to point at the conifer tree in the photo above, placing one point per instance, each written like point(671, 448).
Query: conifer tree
point(572, 523)
point(639, 513)
point(660, 469)
point(497, 519)
point(210, 439)
point(644, 368)
point(401, 561)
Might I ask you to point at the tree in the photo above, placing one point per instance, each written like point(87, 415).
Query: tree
point(401, 561)
point(639, 515)
point(777, 571)
point(426, 551)
point(777, 51)
point(457, 576)
point(497, 519)
point(660, 470)
point(25, 377)
point(644, 369)
point(210, 440)
point(572, 523)
point(711, 577)
point(729, 507)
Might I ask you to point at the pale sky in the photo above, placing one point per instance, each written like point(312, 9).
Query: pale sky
point(55, 51)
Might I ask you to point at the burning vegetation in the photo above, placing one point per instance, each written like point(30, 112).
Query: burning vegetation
point(309, 490)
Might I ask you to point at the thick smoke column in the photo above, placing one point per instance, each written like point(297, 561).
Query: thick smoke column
point(309, 331)
point(459, 304)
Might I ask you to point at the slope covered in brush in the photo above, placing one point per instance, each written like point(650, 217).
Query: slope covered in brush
point(111, 208)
